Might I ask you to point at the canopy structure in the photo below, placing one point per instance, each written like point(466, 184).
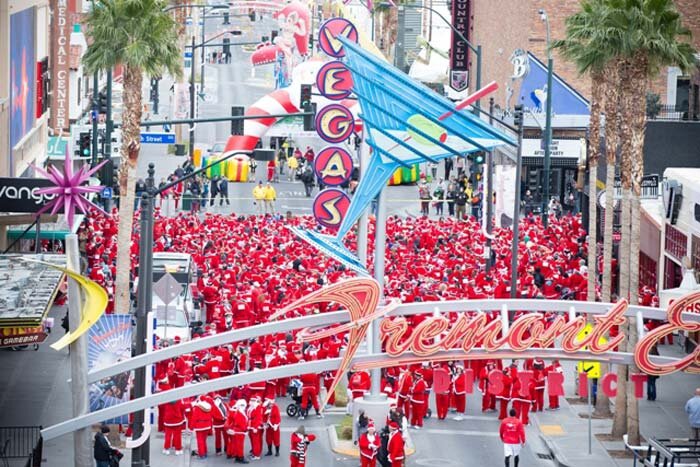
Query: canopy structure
point(407, 123)
point(27, 289)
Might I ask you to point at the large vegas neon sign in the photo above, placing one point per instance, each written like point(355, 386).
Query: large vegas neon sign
point(437, 334)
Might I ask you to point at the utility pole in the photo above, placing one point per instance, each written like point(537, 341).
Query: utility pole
point(548, 126)
point(94, 114)
point(109, 123)
point(489, 195)
point(82, 444)
point(518, 120)
point(192, 97)
point(141, 454)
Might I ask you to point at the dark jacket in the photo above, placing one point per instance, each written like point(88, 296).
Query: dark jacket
point(102, 449)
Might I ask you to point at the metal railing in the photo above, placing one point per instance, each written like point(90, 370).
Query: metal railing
point(21, 442)
point(673, 112)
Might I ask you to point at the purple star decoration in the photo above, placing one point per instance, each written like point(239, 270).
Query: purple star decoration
point(69, 190)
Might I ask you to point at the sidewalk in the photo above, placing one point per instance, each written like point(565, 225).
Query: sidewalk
point(565, 432)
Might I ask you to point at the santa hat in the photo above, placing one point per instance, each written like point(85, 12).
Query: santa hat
point(393, 425)
point(370, 425)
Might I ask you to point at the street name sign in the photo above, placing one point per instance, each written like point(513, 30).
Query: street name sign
point(157, 138)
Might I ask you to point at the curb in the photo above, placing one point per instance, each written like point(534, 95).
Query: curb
point(559, 458)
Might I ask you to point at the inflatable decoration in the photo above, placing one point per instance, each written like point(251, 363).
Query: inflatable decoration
point(294, 23)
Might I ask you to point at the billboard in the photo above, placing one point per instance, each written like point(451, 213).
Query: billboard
point(20, 194)
point(109, 341)
point(22, 74)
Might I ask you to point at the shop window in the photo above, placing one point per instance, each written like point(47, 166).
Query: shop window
point(695, 255)
point(647, 271)
point(673, 274)
point(676, 243)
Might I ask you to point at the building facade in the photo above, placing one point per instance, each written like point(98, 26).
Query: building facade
point(24, 72)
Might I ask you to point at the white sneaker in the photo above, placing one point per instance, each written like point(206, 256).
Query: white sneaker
point(178, 453)
point(254, 458)
point(166, 452)
point(319, 415)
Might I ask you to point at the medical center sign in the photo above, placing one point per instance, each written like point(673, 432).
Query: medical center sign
point(434, 337)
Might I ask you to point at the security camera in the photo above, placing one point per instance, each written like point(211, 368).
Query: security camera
point(543, 14)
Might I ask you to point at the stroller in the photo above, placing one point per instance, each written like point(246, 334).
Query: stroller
point(294, 391)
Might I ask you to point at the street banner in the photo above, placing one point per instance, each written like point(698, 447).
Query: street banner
point(109, 341)
point(505, 195)
point(459, 52)
point(12, 337)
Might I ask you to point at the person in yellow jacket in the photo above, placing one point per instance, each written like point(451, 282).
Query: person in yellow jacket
point(270, 198)
point(292, 166)
point(259, 198)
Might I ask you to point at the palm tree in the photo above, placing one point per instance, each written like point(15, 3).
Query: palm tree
point(138, 35)
point(655, 37)
point(581, 32)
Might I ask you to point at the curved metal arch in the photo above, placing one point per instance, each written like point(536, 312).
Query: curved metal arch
point(340, 317)
point(318, 366)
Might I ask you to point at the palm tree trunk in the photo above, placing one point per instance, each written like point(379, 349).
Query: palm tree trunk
point(612, 116)
point(131, 137)
point(637, 114)
point(593, 156)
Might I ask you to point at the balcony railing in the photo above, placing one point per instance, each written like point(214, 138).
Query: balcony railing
point(21, 442)
point(673, 112)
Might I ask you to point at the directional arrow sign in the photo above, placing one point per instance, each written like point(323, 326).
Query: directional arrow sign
point(167, 288)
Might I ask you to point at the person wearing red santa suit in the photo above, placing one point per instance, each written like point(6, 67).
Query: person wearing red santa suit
point(273, 419)
point(309, 393)
point(554, 367)
point(459, 388)
point(522, 398)
point(418, 401)
point(210, 293)
point(201, 424)
point(538, 368)
point(512, 433)
point(360, 382)
point(488, 400)
point(369, 444)
point(236, 427)
point(403, 402)
point(219, 413)
point(299, 444)
point(328, 377)
point(255, 427)
point(504, 397)
point(163, 385)
point(174, 423)
point(395, 446)
point(442, 394)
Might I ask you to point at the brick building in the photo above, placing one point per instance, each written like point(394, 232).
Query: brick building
point(502, 26)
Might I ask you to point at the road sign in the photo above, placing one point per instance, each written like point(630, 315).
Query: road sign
point(157, 138)
point(106, 193)
point(167, 288)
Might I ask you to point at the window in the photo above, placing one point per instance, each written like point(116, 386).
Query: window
point(676, 243)
point(695, 254)
point(647, 271)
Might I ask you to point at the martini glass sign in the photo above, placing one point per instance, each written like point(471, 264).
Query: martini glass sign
point(335, 123)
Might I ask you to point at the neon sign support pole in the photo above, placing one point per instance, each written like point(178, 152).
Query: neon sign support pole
point(379, 260)
point(362, 226)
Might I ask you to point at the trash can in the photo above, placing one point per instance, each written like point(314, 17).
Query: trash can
point(187, 200)
point(180, 150)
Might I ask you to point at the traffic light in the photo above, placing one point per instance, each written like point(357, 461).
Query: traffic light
point(226, 20)
point(252, 15)
point(273, 35)
point(102, 103)
point(227, 45)
point(518, 115)
point(305, 95)
point(237, 125)
point(479, 158)
point(310, 120)
point(84, 144)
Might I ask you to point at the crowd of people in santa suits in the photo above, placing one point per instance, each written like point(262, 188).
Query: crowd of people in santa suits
point(250, 266)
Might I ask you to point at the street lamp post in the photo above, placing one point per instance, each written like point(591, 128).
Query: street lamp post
point(548, 125)
point(193, 47)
